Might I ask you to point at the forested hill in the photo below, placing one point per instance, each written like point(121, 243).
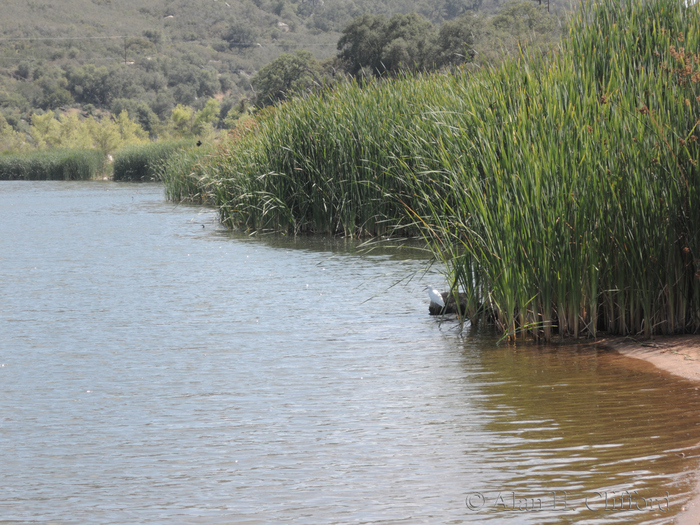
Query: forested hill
point(104, 32)
point(102, 55)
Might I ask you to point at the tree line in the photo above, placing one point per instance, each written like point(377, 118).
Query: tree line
point(163, 94)
point(380, 46)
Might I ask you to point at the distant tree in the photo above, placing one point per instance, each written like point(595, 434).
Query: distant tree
point(111, 134)
point(53, 84)
point(523, 16)
point(154, 81)
point(90, 84)
point(181, 120)
point(45, 130)
point(11, 140)
point(232, 112)
point(408, 43)
point(140, 112)
point(208, 84)
point(240, 34)
point(154, 35)
point(163, 104)
point(227, 105)
point(129, 130)
point(24, 70)
point(72, 132)
point(69, 131)
point(205, 118)
point(185, 122)
point(123, 104)
point(455, 41)
point(185, 94)
point(362, 43)
point(56, 97)
point(20, 101)
point(455, 8)
point(148, 120)
point(401, 43)
point(286, 75)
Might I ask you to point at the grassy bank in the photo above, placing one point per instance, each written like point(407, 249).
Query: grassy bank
point(142, 162)
point(57, 164)
point(560, 189)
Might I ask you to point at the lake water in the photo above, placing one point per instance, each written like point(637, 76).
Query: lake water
point(155, 368)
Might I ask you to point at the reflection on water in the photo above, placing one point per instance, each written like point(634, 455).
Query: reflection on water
point(156, 369)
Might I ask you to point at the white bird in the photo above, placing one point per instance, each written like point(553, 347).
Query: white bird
point(435, 296)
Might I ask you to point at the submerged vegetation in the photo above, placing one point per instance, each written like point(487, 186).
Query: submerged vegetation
point(561, 190)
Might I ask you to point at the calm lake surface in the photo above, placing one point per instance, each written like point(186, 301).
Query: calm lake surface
point(153, 370)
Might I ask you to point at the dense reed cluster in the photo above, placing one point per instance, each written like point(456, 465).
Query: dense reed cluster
point(56, 164)
point(142, 162)
point(561, 189)
point(579, 208)
point(175, 171)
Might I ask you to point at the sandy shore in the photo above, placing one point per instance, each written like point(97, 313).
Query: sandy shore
point(679, 355)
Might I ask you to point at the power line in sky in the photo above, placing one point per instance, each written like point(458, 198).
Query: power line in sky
point(61, 37)
point(240, 44)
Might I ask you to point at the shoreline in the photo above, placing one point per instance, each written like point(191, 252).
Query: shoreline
point(678, 355)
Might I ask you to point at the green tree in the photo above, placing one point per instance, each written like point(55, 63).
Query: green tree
point(11, 140)
point(362, 43)
point(286, 75)
point(523, 16)
point(375, 44)
point(455, 41)
point(113, 133)
point(231, 112)
point(185, 122)
point(53, 84)
point(90, 84)
point(455, 8)
point(24, 70)
point(154, 35)
point(45, 130)
point(73, 133)
point(181, 120)
point(205, 118)
point(240, 34)
point(130, 132)
point(148, 120)
point(409, 43)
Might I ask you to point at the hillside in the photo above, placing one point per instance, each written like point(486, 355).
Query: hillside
point(102, 55)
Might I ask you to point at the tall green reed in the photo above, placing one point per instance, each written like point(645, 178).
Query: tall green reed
point(142, 162)
point(577, 208)
point(560, 188)
point(56, 164)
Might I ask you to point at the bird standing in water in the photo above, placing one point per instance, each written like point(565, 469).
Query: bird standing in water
point(435, 296)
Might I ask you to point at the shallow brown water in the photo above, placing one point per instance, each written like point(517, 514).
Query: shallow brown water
point(155, 371)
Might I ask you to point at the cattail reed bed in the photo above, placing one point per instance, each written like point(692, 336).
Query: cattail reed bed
point(57, 164)
point(561, 189)
point(142, 163)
